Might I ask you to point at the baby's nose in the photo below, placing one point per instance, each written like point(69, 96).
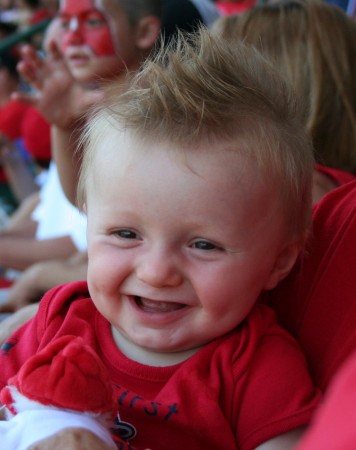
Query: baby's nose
point(159, 270)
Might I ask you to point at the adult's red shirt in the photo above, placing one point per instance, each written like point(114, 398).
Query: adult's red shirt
point(317, 301)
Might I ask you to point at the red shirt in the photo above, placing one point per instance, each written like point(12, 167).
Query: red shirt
point(339, 176)
point(238, 391)
point(334, 424)
point(37, 136)
point(236, 7)
point(11, 118)
point(19, 120)
point(316, 302)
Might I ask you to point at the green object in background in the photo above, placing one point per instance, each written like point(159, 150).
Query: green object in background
point(8, 202)
point(23, 35)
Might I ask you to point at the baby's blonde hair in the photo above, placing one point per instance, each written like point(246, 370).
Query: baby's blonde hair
point(203, 89)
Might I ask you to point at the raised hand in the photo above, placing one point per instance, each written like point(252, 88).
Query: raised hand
point(56, 94)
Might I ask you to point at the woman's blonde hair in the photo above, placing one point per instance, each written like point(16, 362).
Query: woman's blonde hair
point(313, 44)
point(203, 89)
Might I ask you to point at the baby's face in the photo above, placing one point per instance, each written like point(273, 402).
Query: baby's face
point(180, 246)
point(92, 44)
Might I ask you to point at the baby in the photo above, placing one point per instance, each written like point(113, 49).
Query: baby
point(196, 183)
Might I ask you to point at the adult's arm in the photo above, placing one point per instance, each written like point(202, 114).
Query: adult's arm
point(19, 252)
point(20, 220)
point(41, 277)
point(67, 155)
point(15, 320)
point(72, 439)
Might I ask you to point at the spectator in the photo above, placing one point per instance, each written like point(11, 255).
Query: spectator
point(321, 70)
point(313, 44)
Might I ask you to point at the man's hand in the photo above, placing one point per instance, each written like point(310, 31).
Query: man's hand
point(58, 97)
point(72, 439)
point(42, 276)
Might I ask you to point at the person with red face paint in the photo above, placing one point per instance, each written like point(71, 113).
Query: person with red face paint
point(88, 43)
point(89, 58)
point(101, 39)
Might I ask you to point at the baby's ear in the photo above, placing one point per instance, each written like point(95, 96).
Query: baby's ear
point(148, 30)
point(283, 264)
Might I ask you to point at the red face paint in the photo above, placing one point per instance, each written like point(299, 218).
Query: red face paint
point(83, 24)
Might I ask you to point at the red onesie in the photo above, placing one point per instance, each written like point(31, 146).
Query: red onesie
point(237, 392)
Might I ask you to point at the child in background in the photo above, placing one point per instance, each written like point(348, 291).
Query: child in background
point(197, 187)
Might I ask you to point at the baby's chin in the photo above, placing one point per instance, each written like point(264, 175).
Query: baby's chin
point(152, 350)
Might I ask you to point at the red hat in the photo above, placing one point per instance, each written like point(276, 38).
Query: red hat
point(67, 374)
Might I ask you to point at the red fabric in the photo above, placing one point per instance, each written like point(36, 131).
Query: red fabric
point(334, 425)
point(339, 176)
point(66, 374)
point(316, 302)
point(18, 120)
point(229, 8)
point(237, 392)
point(5, 283)
point(37, 136)
point(11, 118)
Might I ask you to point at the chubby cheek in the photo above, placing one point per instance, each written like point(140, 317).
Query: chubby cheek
point(104, 289)
point(106, 269)
point(230, 299)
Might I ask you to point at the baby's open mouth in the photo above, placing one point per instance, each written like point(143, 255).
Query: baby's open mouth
point(154, 306)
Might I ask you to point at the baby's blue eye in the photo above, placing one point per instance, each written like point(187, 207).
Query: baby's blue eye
point(204, 245)
point(127, 234)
